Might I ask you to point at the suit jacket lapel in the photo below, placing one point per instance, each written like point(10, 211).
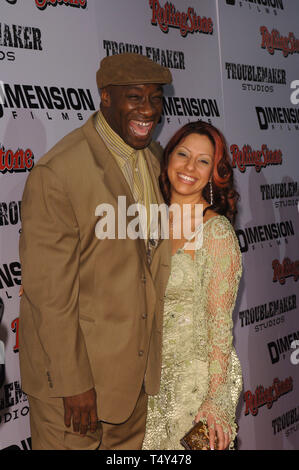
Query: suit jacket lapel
point(154, 170)
point(113, 177)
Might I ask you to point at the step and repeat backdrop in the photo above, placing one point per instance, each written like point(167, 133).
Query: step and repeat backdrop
point(234, 64)
point(259, 46)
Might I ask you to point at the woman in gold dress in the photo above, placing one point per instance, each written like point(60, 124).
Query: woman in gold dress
point(201, 375)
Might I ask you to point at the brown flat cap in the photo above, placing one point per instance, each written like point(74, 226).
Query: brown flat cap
point(131, 69)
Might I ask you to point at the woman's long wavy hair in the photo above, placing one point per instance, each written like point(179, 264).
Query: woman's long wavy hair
point(225, 196)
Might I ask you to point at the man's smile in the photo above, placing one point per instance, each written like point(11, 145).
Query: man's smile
point(141, 128)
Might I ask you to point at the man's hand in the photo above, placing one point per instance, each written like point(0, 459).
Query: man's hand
point(82, 411)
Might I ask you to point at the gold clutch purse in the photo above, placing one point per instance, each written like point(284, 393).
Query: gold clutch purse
point(197, 438)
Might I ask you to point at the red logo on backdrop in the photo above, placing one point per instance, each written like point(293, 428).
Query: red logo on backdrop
point(42, 4)
point(242, 158)
point(15, 329)
point(266, 396)
point(275, 41)
point(284, 270)
point(14, 162)
point(169, 17)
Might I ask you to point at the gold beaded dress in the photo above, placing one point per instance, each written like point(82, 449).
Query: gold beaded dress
point(200, 368)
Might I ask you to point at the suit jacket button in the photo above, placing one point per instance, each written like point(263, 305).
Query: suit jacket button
point(144, 316)
point(140, 354)
point(143, 279)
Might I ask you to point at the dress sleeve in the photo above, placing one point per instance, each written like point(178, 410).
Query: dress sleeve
point(225, 379)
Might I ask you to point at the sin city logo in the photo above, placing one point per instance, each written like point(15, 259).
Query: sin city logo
point(42, 4)
point(271, 41)
point(284, 270)
point(257, 158)
point(15, 162)
point(266, 396)
point(169, 17)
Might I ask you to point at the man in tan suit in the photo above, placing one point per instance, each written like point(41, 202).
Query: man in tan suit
point(91, 311)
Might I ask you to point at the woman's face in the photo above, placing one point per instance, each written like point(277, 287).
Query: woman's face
point(190, 166)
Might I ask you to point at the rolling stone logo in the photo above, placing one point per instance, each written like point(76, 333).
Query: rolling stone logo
point(246, 157)
point(42, 4)
point(15, 162)
point(15, 329)
point(284, 270)
point(187, 22)
point(275, 41)
point(266, 396)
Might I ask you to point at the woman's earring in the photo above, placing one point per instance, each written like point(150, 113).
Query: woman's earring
point(211, 193)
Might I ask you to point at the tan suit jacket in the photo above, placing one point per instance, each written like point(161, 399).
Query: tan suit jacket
point(91, 313)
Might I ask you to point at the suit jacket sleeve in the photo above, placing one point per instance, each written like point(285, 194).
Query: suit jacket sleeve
point(50, 257)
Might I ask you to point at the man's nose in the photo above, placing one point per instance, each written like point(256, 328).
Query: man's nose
point(146, 107)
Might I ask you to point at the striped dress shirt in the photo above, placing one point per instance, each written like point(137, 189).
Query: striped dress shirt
point(132, 164)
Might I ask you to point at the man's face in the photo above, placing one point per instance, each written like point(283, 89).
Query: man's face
point(133, 111)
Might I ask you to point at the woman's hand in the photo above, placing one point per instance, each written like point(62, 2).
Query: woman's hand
point(215, 429)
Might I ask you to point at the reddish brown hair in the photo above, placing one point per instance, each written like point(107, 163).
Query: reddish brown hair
point(224, 195)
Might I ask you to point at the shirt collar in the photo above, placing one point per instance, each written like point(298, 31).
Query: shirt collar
point(113, 141)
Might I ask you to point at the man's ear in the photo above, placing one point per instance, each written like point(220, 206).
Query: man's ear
point(105, 98)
